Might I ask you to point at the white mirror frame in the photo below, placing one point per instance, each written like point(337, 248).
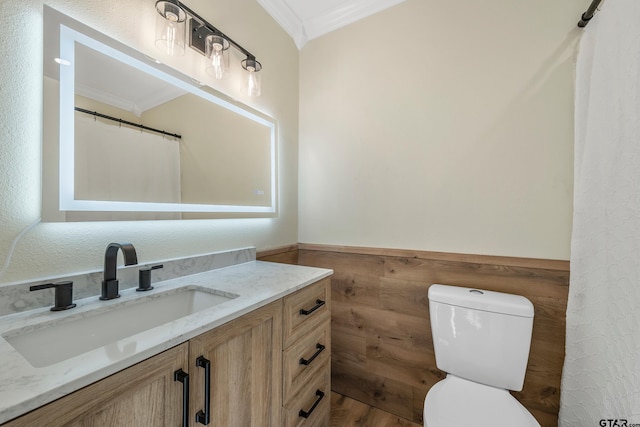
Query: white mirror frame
point(68, 37)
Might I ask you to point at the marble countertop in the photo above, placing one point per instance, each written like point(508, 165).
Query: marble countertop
point(24, 387)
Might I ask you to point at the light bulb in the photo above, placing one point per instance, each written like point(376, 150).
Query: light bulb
point(216, 47)
point(170, 37)
point(252, 82)
point(171, 16)
point(252, 85)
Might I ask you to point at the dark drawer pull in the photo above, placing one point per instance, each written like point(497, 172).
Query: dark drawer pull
point(204, 417)
point(183, 377)
point(319, 303)
point(306, 362)
point(307, 414)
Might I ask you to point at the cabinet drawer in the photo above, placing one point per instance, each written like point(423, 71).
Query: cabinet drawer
point(306, 359)
point(312, 401)
point(305, 309)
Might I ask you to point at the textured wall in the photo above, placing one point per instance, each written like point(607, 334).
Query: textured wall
point(61, 248)
point(442, 126)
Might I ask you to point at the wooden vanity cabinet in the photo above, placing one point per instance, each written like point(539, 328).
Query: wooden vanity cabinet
point(255, 368)
point(245, 362)
point(144, 395)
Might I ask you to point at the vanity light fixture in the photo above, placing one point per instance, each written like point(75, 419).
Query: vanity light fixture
point(205, 39)
point(170, 27)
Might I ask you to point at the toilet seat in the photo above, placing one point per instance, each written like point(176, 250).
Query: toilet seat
point(456, 402)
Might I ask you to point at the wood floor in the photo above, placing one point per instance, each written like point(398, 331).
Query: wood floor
point(346, 412)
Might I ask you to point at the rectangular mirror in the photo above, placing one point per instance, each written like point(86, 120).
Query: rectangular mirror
point(128, 138)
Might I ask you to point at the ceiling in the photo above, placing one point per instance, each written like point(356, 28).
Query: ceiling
point(305, 20)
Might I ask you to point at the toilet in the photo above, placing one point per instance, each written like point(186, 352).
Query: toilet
point(481, 340)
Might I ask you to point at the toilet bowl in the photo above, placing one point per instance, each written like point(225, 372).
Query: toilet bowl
point(481, 339)
point(456, 402)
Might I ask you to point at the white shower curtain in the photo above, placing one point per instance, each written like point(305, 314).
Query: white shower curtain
point(601, 377)
point(124, 164)
point(120, 163)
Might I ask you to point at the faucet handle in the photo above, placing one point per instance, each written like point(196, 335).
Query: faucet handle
point(63, 294)
point(144, 278)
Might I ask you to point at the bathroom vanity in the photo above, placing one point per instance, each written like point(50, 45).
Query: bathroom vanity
point(260, 358)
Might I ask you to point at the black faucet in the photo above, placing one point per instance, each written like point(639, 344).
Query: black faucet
point(109, 282)
point(144, 278)
point(63, 294)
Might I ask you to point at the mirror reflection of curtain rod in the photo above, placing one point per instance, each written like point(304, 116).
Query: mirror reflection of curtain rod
point(128, 123)
point(586, 17)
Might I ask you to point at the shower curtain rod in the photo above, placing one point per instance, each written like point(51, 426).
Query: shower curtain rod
point(586, 17)
point(128, 123)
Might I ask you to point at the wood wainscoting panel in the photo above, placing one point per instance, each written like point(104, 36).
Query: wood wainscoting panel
point(283, 255)
point(382, 347)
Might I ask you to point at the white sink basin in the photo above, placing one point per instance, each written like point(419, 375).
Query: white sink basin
point(49, 343)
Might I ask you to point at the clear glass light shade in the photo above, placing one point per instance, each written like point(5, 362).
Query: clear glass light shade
point(252, 80)
point(171, 26)
point(217, 52)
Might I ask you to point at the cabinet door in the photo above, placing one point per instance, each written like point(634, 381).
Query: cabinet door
point(144, 395)
point(245, 362)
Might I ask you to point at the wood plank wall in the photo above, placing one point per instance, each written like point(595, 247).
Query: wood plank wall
point(381, 338)
point(284, 255)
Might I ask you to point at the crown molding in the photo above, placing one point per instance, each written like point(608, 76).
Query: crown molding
point(348, 13)
point(301, 32)
point(287, 19)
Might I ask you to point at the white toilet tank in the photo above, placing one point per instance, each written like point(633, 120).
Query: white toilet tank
point(480, 335)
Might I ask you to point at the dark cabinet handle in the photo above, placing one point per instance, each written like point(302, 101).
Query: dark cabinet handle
point(203, 417)
point(183, 377)
point(308, 413)
point(319, 303)
point(306, 362)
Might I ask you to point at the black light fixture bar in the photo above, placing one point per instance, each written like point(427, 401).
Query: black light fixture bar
point(199, 33)
point(586, 17)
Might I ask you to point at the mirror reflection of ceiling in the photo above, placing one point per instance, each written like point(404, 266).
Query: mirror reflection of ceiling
point(305, 20)
point(111, 82)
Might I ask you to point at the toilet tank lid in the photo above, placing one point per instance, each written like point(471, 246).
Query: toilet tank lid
point(479, 299)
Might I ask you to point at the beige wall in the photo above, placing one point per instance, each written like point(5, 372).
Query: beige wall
point(442, 126)
point(224, 157)
point(51, 249)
